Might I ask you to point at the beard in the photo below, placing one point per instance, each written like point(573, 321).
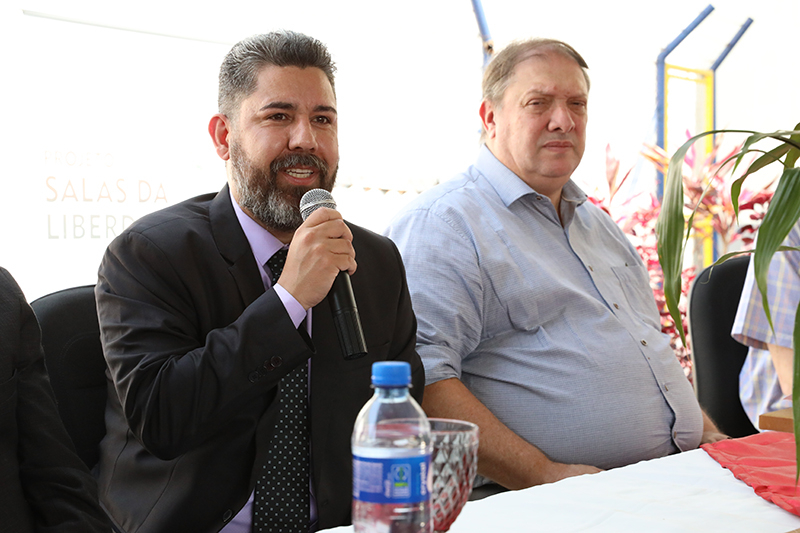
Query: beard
point(275, 205)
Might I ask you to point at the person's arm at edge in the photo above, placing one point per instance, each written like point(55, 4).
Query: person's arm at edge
point(59, 488)
point(783, 355)
point(711, 432)
point(503, 456)
point(783, 360)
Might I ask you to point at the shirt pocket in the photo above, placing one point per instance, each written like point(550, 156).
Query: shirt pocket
point(512, 302)
point(634, 282)
point(510, 299)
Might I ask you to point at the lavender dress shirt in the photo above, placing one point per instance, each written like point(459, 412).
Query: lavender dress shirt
point(264, 245)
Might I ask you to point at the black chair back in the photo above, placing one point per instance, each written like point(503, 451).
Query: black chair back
point(717, 358)
point(75, 363)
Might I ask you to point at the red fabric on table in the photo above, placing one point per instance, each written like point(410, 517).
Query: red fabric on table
point(766, 462)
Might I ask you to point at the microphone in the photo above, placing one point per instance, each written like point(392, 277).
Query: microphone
point(340, 298)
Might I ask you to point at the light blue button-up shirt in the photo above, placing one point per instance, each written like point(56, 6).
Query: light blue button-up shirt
point(550, 323)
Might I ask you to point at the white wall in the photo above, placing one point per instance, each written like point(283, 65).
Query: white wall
point(103, 125)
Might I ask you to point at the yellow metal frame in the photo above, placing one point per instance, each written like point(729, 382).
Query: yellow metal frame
point(705, 233)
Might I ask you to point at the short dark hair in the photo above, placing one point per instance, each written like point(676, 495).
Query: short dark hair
point(238, 75)
point(498, 74)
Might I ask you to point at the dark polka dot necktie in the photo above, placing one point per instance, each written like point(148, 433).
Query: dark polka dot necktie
point(282, 498)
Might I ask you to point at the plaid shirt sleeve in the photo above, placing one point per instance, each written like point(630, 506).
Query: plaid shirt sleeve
point(783, 284)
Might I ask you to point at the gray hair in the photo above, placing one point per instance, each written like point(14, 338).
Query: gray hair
point(238, 75)
point(500, 71)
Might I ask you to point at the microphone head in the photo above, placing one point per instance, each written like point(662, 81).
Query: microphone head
point(313, 200)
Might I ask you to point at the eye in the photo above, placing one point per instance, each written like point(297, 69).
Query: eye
point(538, 105)
point(322, 119)
point(278, 116)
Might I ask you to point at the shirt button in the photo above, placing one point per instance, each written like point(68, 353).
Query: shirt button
point(253, 377)
point(644, 342)
point(616, 306)
point(276, 362)
point(538, 197)
point(666, 388)
point(675, 435)
point(227, 516)
point(590, 268)
point(268, 366)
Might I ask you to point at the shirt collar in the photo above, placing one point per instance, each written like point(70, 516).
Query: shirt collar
point(510, 187)
point(263, 243)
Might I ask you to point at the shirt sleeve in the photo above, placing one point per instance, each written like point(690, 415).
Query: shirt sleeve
point(783, 285)
point(446, 289)
point(293, 307)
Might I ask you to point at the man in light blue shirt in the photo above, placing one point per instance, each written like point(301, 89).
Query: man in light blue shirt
point(535, 315)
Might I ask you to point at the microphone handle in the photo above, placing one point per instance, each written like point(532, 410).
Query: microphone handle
point(345, 317)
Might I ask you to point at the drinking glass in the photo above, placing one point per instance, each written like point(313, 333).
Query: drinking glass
point(454, 462)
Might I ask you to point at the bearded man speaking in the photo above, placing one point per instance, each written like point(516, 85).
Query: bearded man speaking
point(230, 404)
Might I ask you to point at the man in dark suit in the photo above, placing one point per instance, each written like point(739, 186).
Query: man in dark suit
point(203, 333)
point(44, 486)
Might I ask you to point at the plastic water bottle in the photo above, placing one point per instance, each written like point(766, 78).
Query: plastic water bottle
point(392, 457)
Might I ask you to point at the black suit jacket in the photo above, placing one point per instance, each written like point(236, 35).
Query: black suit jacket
point(196, 349)
point(44, 486)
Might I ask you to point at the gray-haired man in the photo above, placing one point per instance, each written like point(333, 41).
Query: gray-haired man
point(536, 318)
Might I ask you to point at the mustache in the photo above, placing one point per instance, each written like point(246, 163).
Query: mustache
point(297, 160)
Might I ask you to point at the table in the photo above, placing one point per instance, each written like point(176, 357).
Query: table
point(687, 492)
point(781, 420)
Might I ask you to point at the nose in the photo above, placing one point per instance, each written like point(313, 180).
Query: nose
point(561, 118)
point(303, 138)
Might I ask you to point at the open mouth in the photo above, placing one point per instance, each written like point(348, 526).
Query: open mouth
point(301, 170)
point(299, 173)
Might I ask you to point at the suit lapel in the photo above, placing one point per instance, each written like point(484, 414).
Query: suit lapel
point(233, 246)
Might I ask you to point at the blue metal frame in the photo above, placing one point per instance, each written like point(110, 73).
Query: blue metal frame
point(661, 79)
point(714, 68)
point(486, 38)
point(722, 57)
point(660, 82)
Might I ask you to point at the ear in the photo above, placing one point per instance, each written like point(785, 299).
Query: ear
point(487, 118)
point(219, 128)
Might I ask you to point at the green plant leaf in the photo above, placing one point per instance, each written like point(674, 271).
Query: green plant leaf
point(672, 229)
point(794, 153)
point(729, 255)
point(769, 157)
point(783, 213)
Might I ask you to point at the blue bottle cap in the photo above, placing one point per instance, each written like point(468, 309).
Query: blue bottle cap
point(391, 374)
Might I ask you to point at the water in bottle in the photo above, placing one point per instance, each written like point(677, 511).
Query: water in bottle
point(391, 457)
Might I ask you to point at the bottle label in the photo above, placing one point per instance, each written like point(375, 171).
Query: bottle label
point(393, 480)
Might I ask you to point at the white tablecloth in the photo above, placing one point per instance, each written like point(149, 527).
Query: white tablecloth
point(687, 492)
